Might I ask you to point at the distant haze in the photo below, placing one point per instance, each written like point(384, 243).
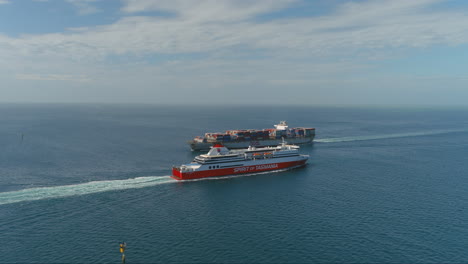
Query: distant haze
point(406, 52)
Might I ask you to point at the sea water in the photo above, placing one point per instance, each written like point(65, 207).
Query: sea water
point(381, 185)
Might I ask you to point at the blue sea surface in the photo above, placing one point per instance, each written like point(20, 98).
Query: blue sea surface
point(383, 185)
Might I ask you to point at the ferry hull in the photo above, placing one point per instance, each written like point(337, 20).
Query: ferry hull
point(198, 146)
point(254, 168)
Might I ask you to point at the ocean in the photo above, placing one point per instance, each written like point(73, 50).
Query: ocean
point(383, 185)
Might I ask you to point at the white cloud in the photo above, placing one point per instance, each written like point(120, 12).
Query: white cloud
point(208, 10)
point(53, 77)
point(302, 52)
point(4, 2)
point(84, 7)
point(380, 24)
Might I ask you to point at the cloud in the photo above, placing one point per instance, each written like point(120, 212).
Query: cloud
point(53, 77)
point(215, 44)
point(211, 26)
point(84, 7)
point(2, 2)
point(208, 10)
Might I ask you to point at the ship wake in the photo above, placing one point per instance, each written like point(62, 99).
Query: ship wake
point(40, 193)
point(389, 136)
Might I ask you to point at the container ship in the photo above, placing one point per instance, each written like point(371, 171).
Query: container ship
point(220, 161)
point(235, 139)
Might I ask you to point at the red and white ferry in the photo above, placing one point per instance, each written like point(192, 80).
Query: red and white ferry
point(220, 161)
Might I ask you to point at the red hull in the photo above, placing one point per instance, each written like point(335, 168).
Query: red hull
point(178, 175)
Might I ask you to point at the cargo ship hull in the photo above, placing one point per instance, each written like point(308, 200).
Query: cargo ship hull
point(239, 144)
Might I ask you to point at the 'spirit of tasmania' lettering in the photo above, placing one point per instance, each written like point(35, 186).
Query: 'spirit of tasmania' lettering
point(267, 166)
point(255, 168)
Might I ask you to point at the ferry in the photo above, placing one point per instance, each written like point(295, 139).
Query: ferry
point(243, 138)
point(220, 161)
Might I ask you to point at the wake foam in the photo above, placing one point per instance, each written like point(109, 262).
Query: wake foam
point(41, 193)
point(387, 136)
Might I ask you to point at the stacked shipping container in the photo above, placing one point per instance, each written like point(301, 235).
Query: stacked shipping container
point(251, 134)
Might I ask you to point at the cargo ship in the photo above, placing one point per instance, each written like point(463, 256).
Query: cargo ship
point(235, 139)
point(220, 161)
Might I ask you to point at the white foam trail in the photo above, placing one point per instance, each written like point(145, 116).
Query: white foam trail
point(40, 193)
point(386, 136)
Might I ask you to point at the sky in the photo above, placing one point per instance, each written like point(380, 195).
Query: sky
point(304, 52)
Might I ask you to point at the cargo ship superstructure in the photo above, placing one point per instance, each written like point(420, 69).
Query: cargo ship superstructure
point(220, 161)
point(236, 139)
